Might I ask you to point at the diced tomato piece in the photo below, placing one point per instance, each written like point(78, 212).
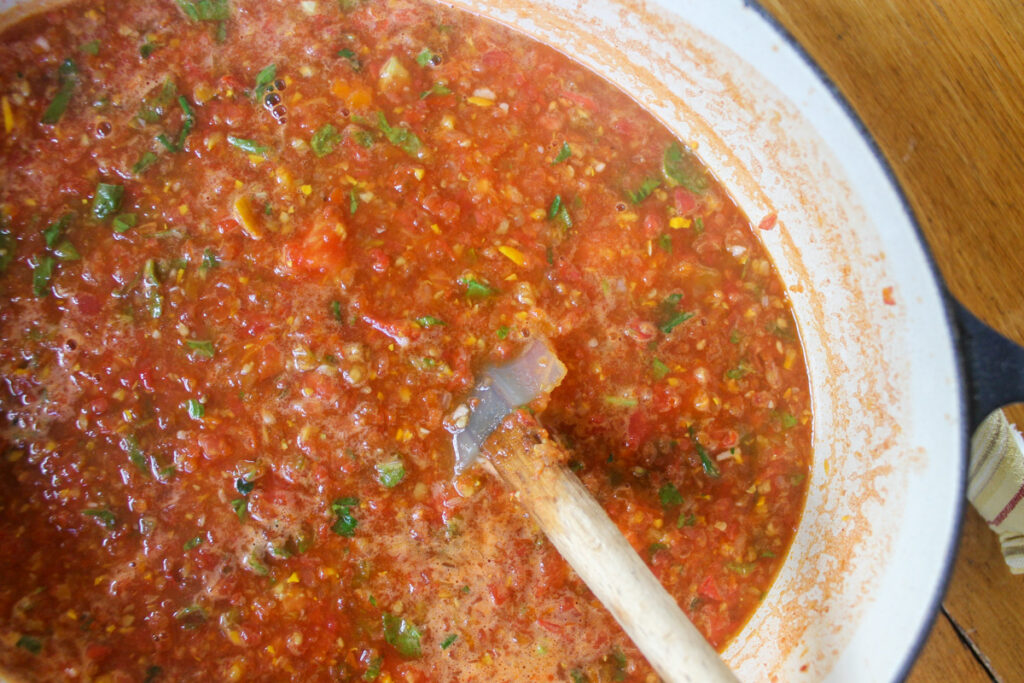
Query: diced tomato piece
point(322, 249)
point(638, 431)
point(709, 589)
point(654, 225)
point(683, 200)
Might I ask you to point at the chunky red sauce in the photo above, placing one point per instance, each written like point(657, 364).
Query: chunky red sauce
point(252, 255)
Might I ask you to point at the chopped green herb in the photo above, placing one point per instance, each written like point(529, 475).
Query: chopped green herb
point(188, 122)
point(578, 676)
point(353, 201)
point(429, 321)
point(349, 55)
point(620, 401)
point(241, 507)
point(256, 564)
point(264, 78)
point(391, 473)
point(155, 106)
point(147, 49)
point(65, 251)
point(345, 524)
point(402, 634)
point(659, 369)
point(670, 317)
point(789, 421)
point(104, 517)
point(92, 47)
point(738, 372)
point(152, 673)
point(42, 273)
point(686, 520)
point(665, 242)
point(621, 665)
point(555, 207)
point(7, 247)
point(427, 57)
point(196, 410)
point(475, 289)
point(193, 542)
point(557, 211)
point(400, 136)
point(437, 88)
point(563, 154)
point(54, 230)
point(30, 643)
point(503, 332)
point(202, 347)
point(210, 260)
point(373, 670)
point(206, 10)
point(335, 307)
point(324, 140)
point(741, 568)
point(67, 78)
point(644, 191)
point(107, 200)
point(734, 337)
point(244, 486)
point(448, 641)
point(681, 167)
point(653, 548)
point(363, 138)
point(124, 222)
point(154, 299)
point(248, 146)
point(669, 495)
point(698, 226)
point(144, 162)
point(706, 462)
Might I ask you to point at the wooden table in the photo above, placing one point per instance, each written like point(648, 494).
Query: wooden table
point(940, 85)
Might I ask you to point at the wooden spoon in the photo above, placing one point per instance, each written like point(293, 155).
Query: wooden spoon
point(533, 466)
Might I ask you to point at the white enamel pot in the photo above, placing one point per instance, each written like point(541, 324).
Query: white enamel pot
point(857, 594)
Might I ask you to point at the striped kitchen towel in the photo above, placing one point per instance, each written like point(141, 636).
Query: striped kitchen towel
point(995, 484)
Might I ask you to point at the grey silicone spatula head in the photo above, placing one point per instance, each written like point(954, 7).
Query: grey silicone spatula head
point(502, 389)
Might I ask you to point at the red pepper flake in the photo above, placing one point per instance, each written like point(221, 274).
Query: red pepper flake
point(887, 296)
point(768, 222)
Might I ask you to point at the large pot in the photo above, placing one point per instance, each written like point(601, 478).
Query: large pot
point(870, 559)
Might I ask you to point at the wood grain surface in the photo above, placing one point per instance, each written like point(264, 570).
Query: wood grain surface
point(940, 86)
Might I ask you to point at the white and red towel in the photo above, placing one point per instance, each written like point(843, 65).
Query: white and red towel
point(995, 484)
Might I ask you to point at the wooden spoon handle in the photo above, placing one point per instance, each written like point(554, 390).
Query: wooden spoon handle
point(532, 465)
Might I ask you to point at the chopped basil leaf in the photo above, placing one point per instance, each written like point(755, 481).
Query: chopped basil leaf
point(475, 289)
point(147, 49)
point(391, 473)
point(7, 247)
point(644, 191)
point(244, 486)
point(503, 332)
point(54, 230)
point(789, 421)
point(156, 106)
point(400, 136)
point(335, 307)
point(345, 524)
point(351, 57)
point(427, 57)
point(248, 146)
point(130, 445)
point(42, 273)
point(104, 517)
point(429, 321)
point(364, 138)
point(741, 568)
point(188, 122)
point(65, 251)
point(373, 670)
point(686, 520)
point(256, 564)
point(402, 634)
point(448, 642)
point(264, 78)
point(92, 47)
point(353, 200)
point(193, 542)
point(240, 506)
point(557, 211)
point(30, 644)
point(210, 260)
point(578, 676)
point(737, 372)
point(620, 401)
point(675, 321)
point(144, 162)
point(665, 242)
point(669, 495)
point(124, 222)
point(564, 153)
point(710, 468)
point(67, 78)
point(201, 347)
point(438, 88)
point(659, 369)
point(324, 140)
point(681, 167)
point(196, 410)
point(556, 206)
point(107, 200)
point(206, 10)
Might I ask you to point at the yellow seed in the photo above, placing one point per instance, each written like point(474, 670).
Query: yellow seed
point(256, 159)
point(246, 217)
point(8, 115)
point(294, 578)
point(183, 209)
point(419, 173)
point(513, 255)
point(239, 184)
point(679, 222)
point(307, 190)
point(434, 227)
point(480, 101)
point(538, 214)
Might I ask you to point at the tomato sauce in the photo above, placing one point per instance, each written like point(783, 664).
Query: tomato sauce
point(251, 256)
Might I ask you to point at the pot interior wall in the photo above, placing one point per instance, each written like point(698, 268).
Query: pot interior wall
point(869, 559)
